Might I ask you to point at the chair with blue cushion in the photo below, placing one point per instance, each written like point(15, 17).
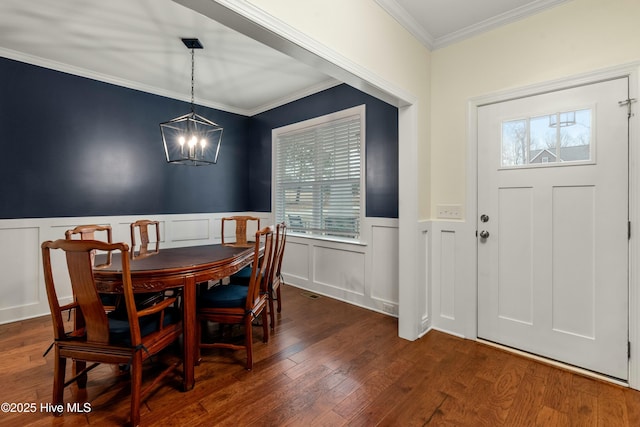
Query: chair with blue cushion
point(97, 337)
point(276, 279)
point(238, 304)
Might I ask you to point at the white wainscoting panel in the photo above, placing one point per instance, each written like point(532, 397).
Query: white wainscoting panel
point(190, 230)
point(348, 277)
point(424, 278)
point(453, 278)
point(447, 274)
point(20, 266)
point(384, 268)
point(296, 261)
point(363, 274)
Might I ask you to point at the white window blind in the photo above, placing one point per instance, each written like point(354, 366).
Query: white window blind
point(318, 176)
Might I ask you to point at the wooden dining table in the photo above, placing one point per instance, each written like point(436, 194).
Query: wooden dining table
point(171, 268)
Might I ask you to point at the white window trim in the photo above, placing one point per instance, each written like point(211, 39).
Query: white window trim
point(358, 110)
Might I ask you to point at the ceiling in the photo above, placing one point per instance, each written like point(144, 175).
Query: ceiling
point(136, 44)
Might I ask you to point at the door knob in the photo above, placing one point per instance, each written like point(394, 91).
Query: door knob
point(484, 234)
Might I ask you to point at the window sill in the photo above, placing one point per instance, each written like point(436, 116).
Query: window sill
point(327, 238)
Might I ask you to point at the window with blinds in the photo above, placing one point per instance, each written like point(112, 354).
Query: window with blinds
point(318, 174)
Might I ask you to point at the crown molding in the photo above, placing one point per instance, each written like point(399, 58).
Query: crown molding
point(432, 43)
point(506, 18)
point(328, 84)
point(105, 78)
point(408, 22)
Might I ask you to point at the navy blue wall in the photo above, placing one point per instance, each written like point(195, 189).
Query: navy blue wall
point(73, 146)
point(381, 145)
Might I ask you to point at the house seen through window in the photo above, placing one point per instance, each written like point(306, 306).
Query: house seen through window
point(318, 174)
point(552, 139)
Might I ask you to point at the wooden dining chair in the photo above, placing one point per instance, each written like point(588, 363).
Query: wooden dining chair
point(275, 278)
point(241, 223)
point(97, 337)
point(237, 304)
point(142, 250)
point(88, 232)
point(242, 276)
point(142, 226)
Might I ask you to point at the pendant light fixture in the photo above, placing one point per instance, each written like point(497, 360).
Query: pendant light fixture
point(191, 139)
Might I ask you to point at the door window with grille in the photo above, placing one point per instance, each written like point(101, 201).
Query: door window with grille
point(556, 139)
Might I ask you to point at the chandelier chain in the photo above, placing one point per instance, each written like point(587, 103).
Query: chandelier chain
point(192, 73)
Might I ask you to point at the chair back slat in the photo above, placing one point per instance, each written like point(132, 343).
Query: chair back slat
point(270, 269)
point(258, 283)
point(274, 274)
point(281, 240)
point(80, 265)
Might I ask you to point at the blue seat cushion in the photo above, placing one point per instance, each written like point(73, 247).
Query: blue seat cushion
point(242, 277)
point(224, 296)
point(119, 332)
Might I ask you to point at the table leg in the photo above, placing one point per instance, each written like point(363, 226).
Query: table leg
point(189, 335)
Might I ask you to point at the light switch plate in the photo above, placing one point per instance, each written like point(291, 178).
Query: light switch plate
point(450, 211)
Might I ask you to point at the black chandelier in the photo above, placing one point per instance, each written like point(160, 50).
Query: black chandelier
point(191, 139)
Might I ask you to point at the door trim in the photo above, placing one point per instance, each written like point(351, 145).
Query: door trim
point(632, 71)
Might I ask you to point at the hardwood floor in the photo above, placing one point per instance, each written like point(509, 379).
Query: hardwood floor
point(327, 364)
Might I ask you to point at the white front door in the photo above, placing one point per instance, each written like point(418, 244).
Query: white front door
point(553, 225)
